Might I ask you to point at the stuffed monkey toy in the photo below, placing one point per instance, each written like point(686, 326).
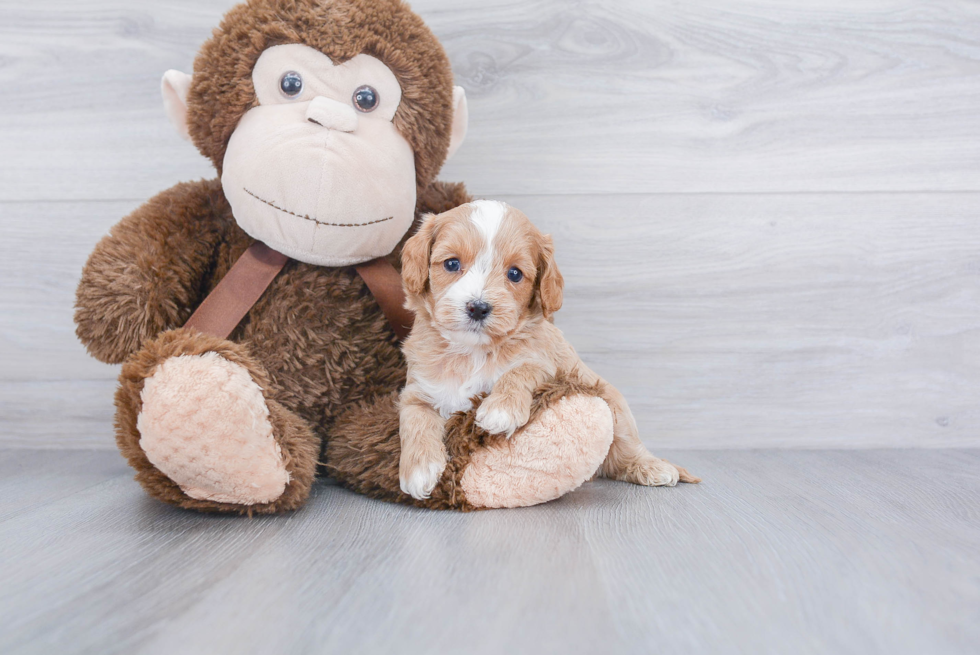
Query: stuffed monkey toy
point(257, 315)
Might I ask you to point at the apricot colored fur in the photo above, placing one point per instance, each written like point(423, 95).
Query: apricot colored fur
point(522, 348)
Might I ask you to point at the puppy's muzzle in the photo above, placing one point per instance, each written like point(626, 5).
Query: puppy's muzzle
point(478, 310)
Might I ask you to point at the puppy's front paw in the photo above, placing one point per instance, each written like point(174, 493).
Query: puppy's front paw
point(651, 472)
point(420, 479)
point(501, 415)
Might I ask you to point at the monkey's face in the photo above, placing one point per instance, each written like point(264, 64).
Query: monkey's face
point(317, 170)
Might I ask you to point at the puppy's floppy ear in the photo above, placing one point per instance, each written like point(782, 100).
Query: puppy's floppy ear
point(550, 283)
point(416, 255)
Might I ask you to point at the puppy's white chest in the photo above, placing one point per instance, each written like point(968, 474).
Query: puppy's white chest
point(450, 395)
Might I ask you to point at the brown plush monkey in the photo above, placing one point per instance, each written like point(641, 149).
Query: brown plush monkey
point(327, 121)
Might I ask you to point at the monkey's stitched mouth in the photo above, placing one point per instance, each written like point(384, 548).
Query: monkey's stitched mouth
point(310, 218)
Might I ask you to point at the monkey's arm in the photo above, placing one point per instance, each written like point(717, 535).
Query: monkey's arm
point(147, 274)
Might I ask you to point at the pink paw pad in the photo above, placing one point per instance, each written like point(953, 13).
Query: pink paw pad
point(558, 451)
point(205, 424)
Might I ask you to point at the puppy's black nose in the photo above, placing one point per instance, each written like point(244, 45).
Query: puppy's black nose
point(478, 310)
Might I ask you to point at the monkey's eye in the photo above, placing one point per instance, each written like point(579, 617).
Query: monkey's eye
point(291, 84)
point(451, 265)
point(366, 99)
point(515, 275)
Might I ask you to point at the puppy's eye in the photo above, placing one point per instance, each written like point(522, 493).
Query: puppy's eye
point(515, 275)
point(291, 84)
point(366, 99)
point(451, 265)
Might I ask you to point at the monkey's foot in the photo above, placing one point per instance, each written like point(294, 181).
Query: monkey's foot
point(205, 424)
point(557, 451)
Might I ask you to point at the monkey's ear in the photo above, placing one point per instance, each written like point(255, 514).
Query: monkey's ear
point(461, 120)
point(175, 87)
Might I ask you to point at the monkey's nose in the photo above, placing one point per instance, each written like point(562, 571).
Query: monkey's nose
point(332, 114)
point(478, 310)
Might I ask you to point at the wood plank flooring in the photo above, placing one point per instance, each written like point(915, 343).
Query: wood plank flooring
point(776, 552)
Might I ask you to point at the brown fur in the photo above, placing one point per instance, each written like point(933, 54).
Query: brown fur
point(363, 454)
point(317, 335)
point(220, 93)
point(153, 270)
point(300, 447)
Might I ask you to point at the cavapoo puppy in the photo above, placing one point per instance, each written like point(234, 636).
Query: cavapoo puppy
point(483, 283)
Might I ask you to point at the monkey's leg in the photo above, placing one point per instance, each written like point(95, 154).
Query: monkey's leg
point(194, 419)
point(563, 444)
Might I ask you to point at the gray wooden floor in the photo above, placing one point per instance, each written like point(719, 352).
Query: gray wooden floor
point(777, 552)
point(768, 216)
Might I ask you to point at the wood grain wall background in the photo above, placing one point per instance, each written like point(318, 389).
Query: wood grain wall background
point(766, 212)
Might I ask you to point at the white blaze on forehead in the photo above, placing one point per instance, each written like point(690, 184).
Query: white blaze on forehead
point(487, 216)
